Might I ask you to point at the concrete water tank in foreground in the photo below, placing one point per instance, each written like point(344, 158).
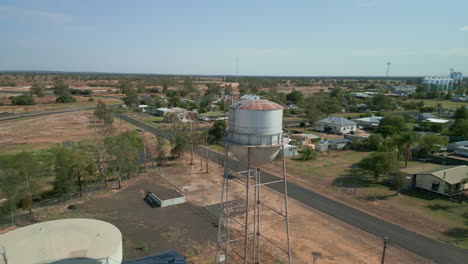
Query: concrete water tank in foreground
point(256, 125)
point(67, 241)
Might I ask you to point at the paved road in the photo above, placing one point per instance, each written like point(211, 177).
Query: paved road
point(421, 245)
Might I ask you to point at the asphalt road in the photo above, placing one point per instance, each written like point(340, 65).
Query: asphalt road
point(418, 244)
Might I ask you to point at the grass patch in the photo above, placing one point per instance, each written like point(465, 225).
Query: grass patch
point(216, 147)
point(173, 234)
point(444, 103)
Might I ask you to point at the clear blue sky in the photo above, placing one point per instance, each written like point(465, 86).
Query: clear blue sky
point(332, 37)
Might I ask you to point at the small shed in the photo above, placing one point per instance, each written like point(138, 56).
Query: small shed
point(142, 108)
point(338, 143)
point(163, 197)
point(290, 150)
point(446, 180)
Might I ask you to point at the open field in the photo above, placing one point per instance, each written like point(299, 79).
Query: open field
point(445, 103)
point(45, 131)
point(48, 103)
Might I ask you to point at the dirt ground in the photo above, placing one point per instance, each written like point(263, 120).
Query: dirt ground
point(392, 210)
point(146, 231)
point(311, 231)
point(45, 131)
point(47, 103)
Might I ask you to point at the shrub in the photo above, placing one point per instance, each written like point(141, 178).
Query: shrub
point(23, 100)
point(91, 99)
point(65, 99)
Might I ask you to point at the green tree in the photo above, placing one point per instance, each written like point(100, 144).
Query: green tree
point(379, 164)
point(24, 99)
point(124, 156)
point(64, 99)
point(461, 113)
point(37, 89)
point(160, 153)
point(329, 106)
point(396, 121)
point(180, 145)
point(307, 154)
point(430, 143)
point(61, 89)
point(382, 102)
point(81, 169)
point(387, 131)
point(217, 131)
point(189, 85)
point(9, 185)
point(64, 181)
point(295, 96)
point(460, 128)
point(103, 113)
point(28, 170)
point(398, 181)
point(131, 98)
point(404, 142)
point(373, 142)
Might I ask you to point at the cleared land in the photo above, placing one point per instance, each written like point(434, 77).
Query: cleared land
point(312, 231)
point(45, 131)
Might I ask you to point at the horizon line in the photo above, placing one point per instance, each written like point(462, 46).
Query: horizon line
point(209, 75)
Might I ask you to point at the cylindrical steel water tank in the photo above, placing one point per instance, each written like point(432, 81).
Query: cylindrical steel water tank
point(255, 126)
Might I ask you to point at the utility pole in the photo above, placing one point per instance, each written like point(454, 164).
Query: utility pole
point(386, 81)
point(237, 69)
point(384, 249)
point(144, 148)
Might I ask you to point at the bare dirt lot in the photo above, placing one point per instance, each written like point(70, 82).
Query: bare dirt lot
point(186, 228)
point(311, 231)
point(45, 131)
point(47, 103)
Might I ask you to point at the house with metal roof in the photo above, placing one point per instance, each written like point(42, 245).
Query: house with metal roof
point(403, 89)
point(369, 121)
point(337, 125)
point(446, 180)
point(339, 143)
point(460, 148)
point(425, 116)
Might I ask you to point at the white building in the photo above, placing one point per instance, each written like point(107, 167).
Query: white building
point(446, 180)
point(336, 125)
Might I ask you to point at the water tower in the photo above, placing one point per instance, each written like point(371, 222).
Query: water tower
point(255, 137)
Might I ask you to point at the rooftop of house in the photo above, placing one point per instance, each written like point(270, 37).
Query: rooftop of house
point(339, 141)
point(337, 120)
point(449, 174)
point(426, 116)
point(403, 87)
point(460, 143)
point(372, 119)
point(437, 120)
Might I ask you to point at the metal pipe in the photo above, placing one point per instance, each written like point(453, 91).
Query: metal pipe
point(286, 203)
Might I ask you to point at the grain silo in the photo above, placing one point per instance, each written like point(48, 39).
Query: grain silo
point(255, 137)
